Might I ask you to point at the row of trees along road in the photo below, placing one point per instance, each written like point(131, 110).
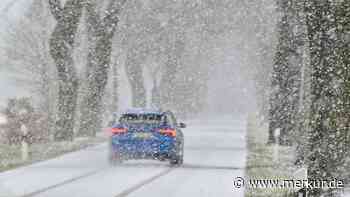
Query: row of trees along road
point(310, 98)
point(55, 40)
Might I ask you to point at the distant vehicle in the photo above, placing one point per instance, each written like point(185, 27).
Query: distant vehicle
point(146, 134)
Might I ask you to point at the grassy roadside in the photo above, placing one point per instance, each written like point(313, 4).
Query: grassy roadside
point(260, 161)
point(10, 156)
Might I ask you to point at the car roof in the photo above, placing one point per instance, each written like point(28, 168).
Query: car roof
point(143, 111)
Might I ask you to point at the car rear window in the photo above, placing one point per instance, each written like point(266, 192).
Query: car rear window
point(141, 118)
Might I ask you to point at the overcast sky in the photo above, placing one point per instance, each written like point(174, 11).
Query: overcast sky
point(9, 11)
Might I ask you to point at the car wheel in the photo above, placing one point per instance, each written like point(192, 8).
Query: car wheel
point(115, 159)
point(178, 158)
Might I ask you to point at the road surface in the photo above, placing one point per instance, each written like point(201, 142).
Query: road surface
point(214, 155)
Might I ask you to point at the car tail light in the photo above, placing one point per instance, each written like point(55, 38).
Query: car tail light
point(169, 132)
point(118, 130)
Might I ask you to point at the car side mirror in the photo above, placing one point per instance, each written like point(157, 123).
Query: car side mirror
point(182, 125)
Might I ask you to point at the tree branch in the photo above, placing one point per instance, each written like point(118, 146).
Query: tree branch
point(93, 18)
point(112, 14)
point(56, 9)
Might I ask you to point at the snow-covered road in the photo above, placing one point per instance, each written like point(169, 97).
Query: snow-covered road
point(214, 155)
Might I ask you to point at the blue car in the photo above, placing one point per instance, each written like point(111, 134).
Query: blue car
point(146, 134)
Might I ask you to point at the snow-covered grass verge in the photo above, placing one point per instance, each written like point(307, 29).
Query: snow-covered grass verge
point(261, 163)
point(10, 155)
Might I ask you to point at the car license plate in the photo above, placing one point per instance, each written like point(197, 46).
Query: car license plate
point(143, 135)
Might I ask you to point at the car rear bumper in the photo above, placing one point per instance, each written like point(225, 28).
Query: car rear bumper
point(138, 155)
point(144, 149)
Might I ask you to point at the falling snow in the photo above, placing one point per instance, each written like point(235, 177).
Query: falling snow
point(68, 67)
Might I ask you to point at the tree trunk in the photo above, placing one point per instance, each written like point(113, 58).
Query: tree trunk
point(328, 139)
point(115, 86)
point(99, 60)
point(135, 75)
point(168, 84)
point(155, 93)
point(61, 49)
point(285, 77)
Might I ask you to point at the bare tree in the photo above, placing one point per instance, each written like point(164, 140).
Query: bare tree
point(168, 82)
point(102, 30)
point(61, 49)
point(135, 76)
point(114, 81)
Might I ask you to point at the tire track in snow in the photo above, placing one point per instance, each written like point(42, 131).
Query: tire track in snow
point(32, 194)
point(144, 182)
point(141, 184)
point(122, 194)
